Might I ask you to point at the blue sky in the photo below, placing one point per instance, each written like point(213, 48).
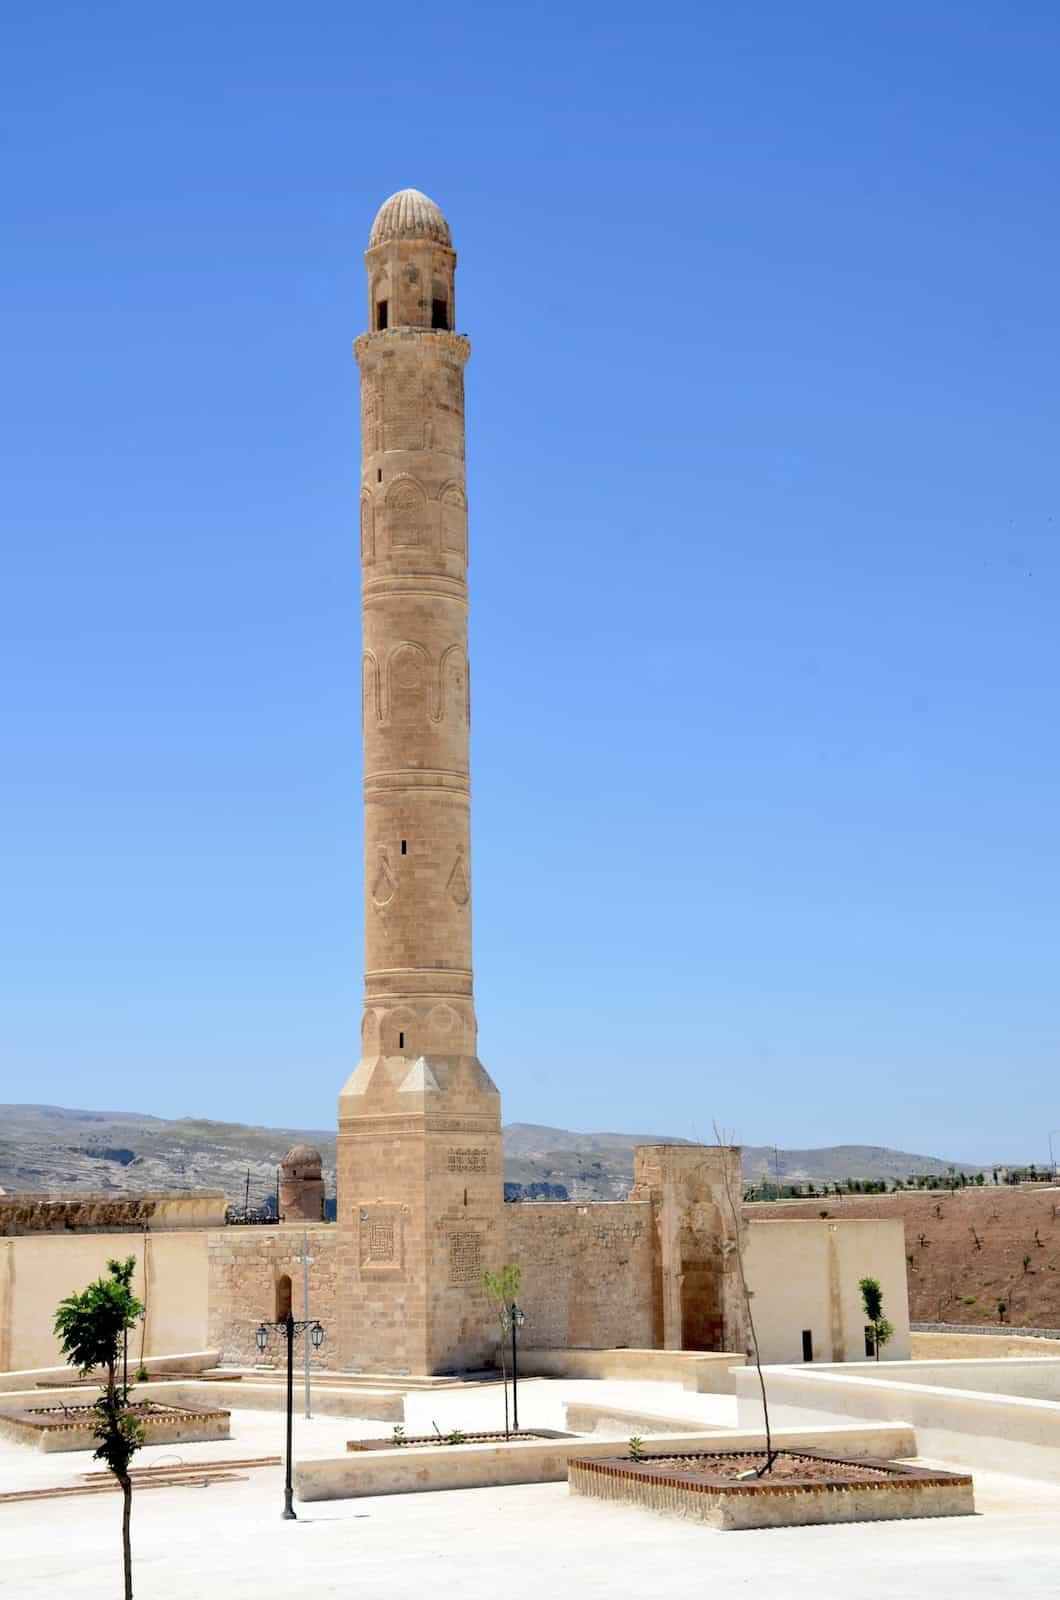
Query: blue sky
point(762, 421)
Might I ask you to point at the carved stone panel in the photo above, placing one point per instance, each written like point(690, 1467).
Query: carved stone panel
point(461, 1160)
point(458, 886)
point(409, 683)
point(381, 1237)
point(370, 430)
point(465, 1256)
point(371, 708)
point(384, 887)
point(405, 513)
point(403, 406)
point(454, 521)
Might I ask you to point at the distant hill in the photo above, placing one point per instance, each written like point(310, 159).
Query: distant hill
point(53, 1148)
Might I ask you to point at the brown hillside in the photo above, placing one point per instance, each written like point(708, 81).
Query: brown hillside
point(951, 1277)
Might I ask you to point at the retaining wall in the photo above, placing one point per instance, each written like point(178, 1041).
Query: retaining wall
point(478, 1466)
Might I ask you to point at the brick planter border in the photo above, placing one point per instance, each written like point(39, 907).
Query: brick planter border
point(724, 1504)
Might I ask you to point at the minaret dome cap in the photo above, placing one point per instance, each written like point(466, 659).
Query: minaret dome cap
point(409, 215)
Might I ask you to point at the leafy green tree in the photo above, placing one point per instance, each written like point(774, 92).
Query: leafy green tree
point(502, 1288)
point(91, 1328)
point(872, 1301)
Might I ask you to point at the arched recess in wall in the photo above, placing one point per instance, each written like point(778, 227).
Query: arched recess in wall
point(283, 1298)
point(454, 700)
point(406, 514)
point(367, 526)
point(400, 1032)
point(408, 685)
point(371, 706)
point(370, 1032)
point(447, 1030)
point(454, 520)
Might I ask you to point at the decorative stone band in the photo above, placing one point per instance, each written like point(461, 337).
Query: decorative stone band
point(366, 1128)
point(420, 983)
point(405, 782)
point(436, 585)
point(369, 347)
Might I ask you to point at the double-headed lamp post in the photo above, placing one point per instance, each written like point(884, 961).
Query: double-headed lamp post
point(513, 1318)
point(315, 1332)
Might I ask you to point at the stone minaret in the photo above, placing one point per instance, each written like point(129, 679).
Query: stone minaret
point(420, 1184)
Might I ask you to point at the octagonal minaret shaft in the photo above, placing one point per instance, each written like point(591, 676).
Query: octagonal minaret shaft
point(420, 1181)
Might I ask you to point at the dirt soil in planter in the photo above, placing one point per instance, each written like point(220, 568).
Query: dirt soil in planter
point(787, 1468)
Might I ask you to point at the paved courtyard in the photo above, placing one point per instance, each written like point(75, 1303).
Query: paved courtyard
point(227, 1540)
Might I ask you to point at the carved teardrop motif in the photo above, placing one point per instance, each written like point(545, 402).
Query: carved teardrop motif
point(458, 886)
point(383, 888)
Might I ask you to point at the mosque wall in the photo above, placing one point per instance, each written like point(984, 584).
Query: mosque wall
point(255, 1275)
point(586, 1272)
point(38, 1271)
point(633, 1274)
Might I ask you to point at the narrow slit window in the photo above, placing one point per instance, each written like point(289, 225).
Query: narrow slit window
point(378, 474)
point(404, 847)
point(807, 1344)
point(401, 1041)
point(439, 313)
point(382, 313)
point(870, 1339)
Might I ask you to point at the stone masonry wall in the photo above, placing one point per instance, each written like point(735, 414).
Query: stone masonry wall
point(146, 1212)
point(587, 1273)
point(245, 1269)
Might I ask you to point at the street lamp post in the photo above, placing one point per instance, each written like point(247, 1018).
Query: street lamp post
point(315, 1332)
point(514, 1318)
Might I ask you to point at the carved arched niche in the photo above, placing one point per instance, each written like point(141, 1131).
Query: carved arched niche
point(367, 526)
point(406, 508)
point(453, 691)
point(454, 520)
point(408, 683)
point(400, 1032)
point(371, 707)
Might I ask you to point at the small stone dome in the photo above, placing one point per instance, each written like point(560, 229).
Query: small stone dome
point(409, 215)
point(301, 1161)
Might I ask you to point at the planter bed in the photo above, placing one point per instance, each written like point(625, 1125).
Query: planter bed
point(418, 1440)
point(73, 1427)
point(804, 1486)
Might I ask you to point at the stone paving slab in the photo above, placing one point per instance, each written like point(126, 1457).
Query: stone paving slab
point(229, 1543)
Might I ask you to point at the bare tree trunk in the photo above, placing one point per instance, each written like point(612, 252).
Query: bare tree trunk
point(126, 1543)
point(504, 1381)
point(770, 1455)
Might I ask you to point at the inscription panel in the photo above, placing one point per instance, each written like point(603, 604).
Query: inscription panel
point(467, 1160)
point(465, 1256)
point(380, 1236)
point(381, 1241)
point(403, 406)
